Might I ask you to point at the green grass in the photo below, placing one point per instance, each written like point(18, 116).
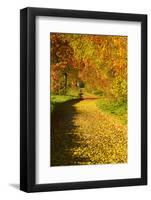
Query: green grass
point(73, 92)
point(114, 107)
point(55, 99)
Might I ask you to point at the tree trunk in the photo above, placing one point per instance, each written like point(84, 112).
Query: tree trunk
point(65, 83)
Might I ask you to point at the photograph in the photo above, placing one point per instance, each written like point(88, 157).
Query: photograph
point(83, 99)
point(88, 99)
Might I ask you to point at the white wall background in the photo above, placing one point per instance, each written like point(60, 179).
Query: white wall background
point(9, 99)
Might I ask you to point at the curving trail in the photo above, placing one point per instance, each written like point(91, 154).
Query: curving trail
point(82, 134)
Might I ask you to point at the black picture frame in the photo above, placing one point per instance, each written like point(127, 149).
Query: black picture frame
point(28, 99)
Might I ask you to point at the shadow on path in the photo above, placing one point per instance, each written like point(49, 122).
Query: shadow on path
point(63, 137)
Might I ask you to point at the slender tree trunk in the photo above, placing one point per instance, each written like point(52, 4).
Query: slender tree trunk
point(65, 83)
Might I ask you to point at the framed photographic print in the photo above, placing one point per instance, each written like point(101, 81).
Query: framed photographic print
point(83, 99)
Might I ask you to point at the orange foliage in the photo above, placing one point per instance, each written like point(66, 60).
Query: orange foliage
point(100, 61)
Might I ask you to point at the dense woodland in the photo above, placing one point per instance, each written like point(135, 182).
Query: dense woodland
point(97, 63)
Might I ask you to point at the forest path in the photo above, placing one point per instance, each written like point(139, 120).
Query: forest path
point(83, 134)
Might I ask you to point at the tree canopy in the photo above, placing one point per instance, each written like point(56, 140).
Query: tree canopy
point(99, 62)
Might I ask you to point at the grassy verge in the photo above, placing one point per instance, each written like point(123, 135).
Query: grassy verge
point(55, 99)
point(118, 109)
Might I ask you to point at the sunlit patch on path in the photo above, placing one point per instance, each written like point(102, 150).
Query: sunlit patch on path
point(82, 134)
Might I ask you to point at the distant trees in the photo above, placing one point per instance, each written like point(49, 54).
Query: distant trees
point(99, 61)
